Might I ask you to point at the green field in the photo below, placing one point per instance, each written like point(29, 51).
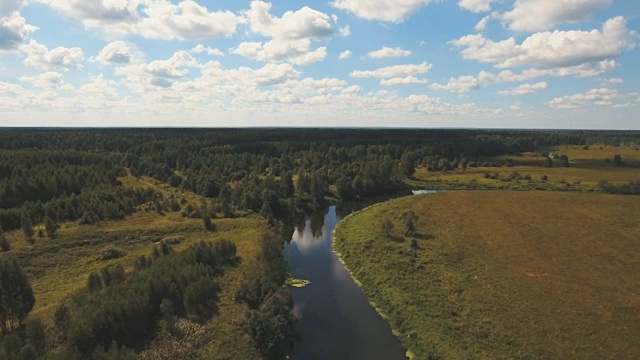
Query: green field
point(504, 274)
point(588, 167)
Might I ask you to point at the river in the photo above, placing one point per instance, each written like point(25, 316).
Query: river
point(338, 322)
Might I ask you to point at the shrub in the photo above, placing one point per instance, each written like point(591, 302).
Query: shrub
point(111, 252)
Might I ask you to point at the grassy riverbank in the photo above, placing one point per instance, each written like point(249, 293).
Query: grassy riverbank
point(504, 275)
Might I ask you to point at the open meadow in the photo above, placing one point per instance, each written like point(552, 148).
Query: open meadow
point(503, 274)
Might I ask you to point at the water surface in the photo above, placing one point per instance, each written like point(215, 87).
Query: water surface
point(338, 322)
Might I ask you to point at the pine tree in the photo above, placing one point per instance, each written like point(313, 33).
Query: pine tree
point(286, 185)
point(17, 298)
point(27, 227)
point(4, 243)
point(51, 227)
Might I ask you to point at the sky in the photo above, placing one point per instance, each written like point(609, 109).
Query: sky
point(338, 63)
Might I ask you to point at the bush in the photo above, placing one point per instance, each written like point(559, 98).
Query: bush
point(111, 252)
point(4, 244)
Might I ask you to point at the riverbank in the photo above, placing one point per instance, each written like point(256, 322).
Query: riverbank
point(501, 274)
point(410, 355)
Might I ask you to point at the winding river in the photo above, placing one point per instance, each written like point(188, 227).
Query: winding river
point(338, 322)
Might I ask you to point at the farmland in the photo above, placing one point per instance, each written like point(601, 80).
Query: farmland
point(504, 274)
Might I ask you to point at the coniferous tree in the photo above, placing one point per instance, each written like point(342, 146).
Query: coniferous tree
point(16, 295)
point(51, 227)
point(4, 243)
point(286, 185)
point(27, 227)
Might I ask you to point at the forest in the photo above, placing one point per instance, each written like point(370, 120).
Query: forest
point(57, 186)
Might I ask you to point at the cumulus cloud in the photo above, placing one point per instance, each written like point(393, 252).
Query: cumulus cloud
point(291, 35)
point(409, 80)
point(600, 97)
point(117, 52)
point(154, 19)
point(584, 70)
point(546, 50)
point(476, 6)
point(396, 71)
point(354, 89)
point(345, 31)
point(345, 55)
point(13, 31)
point(160, 73)
point(524, 89)
point(536, 15)
point(460, 85)
point(60, 58)
point(302, 24)
point(199, 49)
point(395, 11)
point(8, 7)
point(386, 52)
point(47, 80)
point(297, 52)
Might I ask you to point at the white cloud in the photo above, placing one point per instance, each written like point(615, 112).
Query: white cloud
point(8, 7)
point(600, 97)
point(409, 80)
point(396, 71)
point(386, 52)
point(291, 35)
point(354, 89)
point(47, 80)
point(60, 58)
point(460, 85)
point(482, 24)
point(548, 50)
point(117, 52)
point(199, 49)
point(612, 81)
point(476, 6)
point(296, 52)
point(13, 31)
point(524, 89)
point(160, 19)
point(345, 55)
point(536, 15)
point(345, 31)
point(395, 11)
point(158, 73)
point(584, 70)
point(305, 23)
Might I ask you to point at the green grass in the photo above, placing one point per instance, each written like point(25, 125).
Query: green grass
point(507, 275)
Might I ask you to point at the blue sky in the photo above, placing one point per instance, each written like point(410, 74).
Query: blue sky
point(398, 63)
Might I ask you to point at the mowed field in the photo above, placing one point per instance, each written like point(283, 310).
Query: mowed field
point(59, 267)
point(504, 274)
point(588, 167)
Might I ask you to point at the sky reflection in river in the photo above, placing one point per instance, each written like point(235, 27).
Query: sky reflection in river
point(338, 322)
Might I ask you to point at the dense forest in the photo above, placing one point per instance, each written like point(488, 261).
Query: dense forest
point(49, 177)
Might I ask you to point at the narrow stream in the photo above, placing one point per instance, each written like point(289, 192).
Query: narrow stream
point(338, 322)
